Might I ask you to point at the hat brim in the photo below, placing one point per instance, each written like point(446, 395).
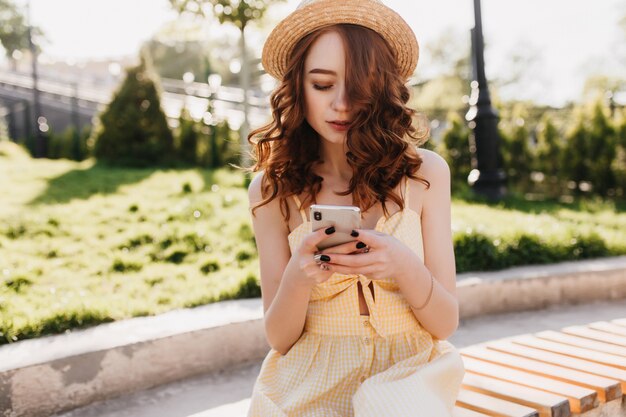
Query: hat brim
point(318, 14)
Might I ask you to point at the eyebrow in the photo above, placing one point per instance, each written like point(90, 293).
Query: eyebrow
point(322, 71)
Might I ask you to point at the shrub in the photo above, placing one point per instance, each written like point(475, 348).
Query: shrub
point(133, 130)
point(475, 252)
point(456, 149)
point(69, 144)
point(248, 288)
point(187, 138)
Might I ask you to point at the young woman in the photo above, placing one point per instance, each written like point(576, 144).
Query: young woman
point(358, 328)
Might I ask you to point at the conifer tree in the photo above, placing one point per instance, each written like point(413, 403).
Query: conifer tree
point(456, 150)
point(573, 159)
point(133, 130)
point(619, 164)
point(517, 157)
point(601, 154)
point(187, 138)
point(547, 154)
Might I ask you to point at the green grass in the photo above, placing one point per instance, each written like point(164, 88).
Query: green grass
point(82, 244)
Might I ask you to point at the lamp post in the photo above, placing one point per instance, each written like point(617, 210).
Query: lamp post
point(41, 143)
point(76, 151)
point(487, 177)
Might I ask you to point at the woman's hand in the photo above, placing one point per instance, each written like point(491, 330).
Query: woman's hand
point(375, 255)
point(314, 270)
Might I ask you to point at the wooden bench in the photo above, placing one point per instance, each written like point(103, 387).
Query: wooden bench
point(577, 371)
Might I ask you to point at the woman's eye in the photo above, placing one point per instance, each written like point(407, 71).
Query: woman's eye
point(321, 87)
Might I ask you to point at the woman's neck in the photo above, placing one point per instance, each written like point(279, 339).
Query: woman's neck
point(334, 162)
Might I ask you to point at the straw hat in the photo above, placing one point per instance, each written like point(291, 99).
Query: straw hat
point(315, 14)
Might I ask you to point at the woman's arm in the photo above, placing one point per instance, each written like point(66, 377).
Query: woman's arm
point(441, 315)
point(286, 279)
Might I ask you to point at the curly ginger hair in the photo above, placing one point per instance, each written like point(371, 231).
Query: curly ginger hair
point(381, 140)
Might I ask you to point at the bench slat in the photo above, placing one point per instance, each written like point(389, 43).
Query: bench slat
point(582, 342)
point(589, 333)
point(548, 405)
point(466, 412)
point(607, 389)
point(493, 406)
point(581, 399)
point(560, 360)
point(608, 327)
point(576, 352)
point(619, 322)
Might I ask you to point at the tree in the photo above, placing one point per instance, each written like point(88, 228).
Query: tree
point(575, 164)
point(187, 138)
point(14, 29)
point(601, 154)
point(133, 129)
point(517, 156)
point(619, 163)
point(456, 149)
point(239, 13)
point(547, 151)
point(448, 75)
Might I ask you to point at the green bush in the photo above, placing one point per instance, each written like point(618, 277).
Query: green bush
point(133, 130)
point(248, 288)
point(477, 252)
point(187, 140)
point(69, 144)
point(455, 149)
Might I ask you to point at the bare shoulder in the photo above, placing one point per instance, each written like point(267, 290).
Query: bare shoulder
point(268, 214)
point(255, 194)
point(433, 167)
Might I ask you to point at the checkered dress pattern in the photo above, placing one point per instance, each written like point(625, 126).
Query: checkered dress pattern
point(347, 364)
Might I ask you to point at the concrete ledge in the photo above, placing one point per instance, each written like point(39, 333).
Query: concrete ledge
point(537, 287)
point(52, 374)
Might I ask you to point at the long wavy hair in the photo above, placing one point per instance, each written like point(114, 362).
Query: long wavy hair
point(381, 140)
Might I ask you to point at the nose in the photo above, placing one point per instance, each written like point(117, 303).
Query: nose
point(340, 102)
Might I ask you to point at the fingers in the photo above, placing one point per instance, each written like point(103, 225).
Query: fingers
point(371, 238)
point(310, 241)
point(316, 271)
point(356, 261)
point(344, 248)
point(371, 271)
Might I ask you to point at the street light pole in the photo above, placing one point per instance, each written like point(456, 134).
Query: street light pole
point(245, 84)
point(41, 145)
point(487, 177)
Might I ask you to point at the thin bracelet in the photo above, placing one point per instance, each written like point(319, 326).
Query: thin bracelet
point(430, 293)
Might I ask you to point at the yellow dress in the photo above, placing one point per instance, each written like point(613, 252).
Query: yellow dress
point(347, 364)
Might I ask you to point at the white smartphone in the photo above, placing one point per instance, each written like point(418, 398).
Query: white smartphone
point(344, 218)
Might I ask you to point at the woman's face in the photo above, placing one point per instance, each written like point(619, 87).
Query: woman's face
point(327, 107)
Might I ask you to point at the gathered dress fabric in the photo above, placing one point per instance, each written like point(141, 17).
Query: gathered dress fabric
point(345, 364)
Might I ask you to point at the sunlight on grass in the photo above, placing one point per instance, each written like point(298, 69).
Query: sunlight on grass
point(112, 243)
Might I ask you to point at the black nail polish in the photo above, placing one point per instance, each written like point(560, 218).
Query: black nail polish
point(325, 258)
point(354, 233)
point(360, 245)
point(330, 230)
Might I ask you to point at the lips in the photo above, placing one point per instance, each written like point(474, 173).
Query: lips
point(340, 125)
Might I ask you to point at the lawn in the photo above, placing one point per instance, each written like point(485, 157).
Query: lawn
point(82, 244)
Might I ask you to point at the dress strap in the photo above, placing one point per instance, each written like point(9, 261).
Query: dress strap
point(299, 206)
point(406, 192)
